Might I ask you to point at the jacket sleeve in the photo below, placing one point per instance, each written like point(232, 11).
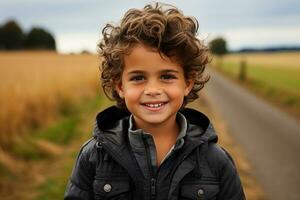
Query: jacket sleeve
point(230, 184)
point(80, 185)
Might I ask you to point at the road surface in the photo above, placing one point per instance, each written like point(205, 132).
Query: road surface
point(269, 137)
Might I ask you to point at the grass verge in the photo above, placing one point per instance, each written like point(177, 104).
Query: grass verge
point(278, 85)
point(37, 158)
point(53, 186)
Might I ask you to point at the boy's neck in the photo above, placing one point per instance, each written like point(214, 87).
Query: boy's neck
point(164, 136)
point(167, 129)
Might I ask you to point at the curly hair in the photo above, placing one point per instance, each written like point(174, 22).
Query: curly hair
point(162, 27)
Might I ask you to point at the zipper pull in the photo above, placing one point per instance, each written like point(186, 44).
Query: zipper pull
point(153, 186)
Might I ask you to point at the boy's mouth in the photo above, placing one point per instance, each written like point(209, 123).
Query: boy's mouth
point(153, 105)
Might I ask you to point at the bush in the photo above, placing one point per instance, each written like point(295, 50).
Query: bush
point(38, 38)
point(13, 38)
point(218, 46)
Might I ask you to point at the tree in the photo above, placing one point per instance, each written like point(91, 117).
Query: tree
point(1, 39)
point(38, 38)
point(11, 35)
point(218, 46)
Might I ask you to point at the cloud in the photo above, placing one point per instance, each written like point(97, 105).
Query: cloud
point(262, 37)
point(236, 38)
point(77, 42)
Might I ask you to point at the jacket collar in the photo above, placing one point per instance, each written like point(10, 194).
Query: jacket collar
point(136, 135)
point(111, 123)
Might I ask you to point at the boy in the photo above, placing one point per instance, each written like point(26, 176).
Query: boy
point(149, 146)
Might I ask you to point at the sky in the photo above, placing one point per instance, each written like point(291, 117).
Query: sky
point(77, 24)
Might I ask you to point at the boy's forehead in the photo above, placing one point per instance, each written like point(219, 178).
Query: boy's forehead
point(144, 58)
point(141, 53)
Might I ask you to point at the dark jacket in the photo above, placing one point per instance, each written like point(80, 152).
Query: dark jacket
point(107, 169)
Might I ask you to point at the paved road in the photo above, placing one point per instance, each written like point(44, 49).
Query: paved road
point(270, 138)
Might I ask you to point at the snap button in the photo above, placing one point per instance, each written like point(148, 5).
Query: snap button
point(200, 192)
point(107, 187)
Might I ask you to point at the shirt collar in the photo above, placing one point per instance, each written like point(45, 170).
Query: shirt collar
point(136, 135)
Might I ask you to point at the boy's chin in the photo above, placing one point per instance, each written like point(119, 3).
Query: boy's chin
point(154, 120)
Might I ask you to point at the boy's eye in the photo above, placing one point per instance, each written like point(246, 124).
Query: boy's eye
point(168, 76)
point(137, 78)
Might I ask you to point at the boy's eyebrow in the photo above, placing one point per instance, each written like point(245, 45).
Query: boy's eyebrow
point(136, 72)
point(169, 70)
point(161, 71)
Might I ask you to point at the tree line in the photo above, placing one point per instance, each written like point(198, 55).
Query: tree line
point(12, 37)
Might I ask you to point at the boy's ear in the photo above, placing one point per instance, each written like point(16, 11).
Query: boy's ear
point(189, 86)
point(119, 89)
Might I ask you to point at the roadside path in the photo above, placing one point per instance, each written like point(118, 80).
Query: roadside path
point(269, 137)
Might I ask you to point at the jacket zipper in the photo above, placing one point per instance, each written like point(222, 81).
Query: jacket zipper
point(152, 176)
point(153, 188)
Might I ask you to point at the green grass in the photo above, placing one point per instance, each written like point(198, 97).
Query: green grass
point(55, 184)
point(60, 133)
point(287, 79)
point(277, 84)
point(51, 189)
point(67, 131)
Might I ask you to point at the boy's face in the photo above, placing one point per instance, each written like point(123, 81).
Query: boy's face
point(153, 88)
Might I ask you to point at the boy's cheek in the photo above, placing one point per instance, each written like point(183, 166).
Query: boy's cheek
point(131, 94)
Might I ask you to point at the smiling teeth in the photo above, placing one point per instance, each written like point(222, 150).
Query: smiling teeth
point(155, 105)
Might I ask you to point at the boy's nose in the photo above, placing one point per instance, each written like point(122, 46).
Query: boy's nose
point(152, 90)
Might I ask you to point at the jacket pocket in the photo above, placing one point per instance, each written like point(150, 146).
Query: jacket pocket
point(199, 189)
point(111, 189)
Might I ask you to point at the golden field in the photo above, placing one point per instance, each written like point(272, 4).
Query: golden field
point(275, 59)
point(37, 86)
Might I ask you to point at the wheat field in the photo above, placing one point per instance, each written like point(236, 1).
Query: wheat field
point(268, 59)
point(36, 86)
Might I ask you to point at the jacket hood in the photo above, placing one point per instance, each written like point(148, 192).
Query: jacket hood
point(111, 122)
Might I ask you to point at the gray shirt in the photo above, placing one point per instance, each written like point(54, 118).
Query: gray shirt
point(141, 142)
